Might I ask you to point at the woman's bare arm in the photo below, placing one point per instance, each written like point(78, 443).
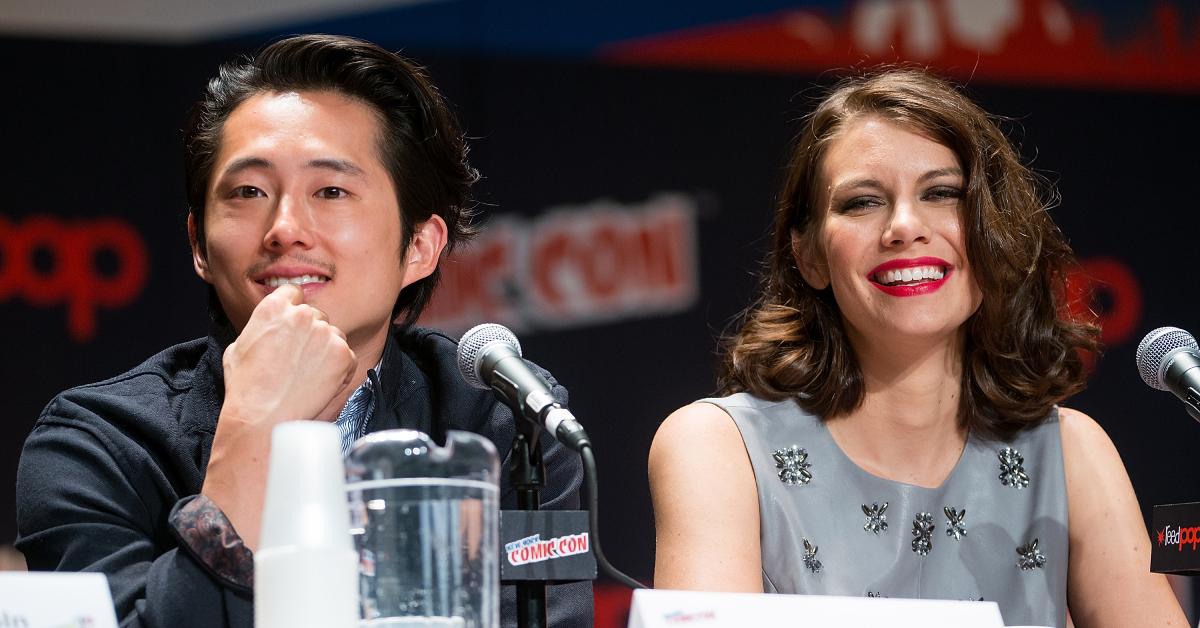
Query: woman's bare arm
point(705, 504)
point(1109, 582)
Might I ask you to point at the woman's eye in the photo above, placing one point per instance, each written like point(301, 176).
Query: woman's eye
point(943, 193)
point(859, 204)
point(247, 191)
point(332, 192)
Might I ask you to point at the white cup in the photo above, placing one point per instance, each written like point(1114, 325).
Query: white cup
point(305, 569)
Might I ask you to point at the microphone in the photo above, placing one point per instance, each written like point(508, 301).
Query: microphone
point(489, 356)
point(1169, 359)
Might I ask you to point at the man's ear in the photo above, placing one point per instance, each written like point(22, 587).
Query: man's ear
point(425, 250)
point(199, 259)
point(810, 262)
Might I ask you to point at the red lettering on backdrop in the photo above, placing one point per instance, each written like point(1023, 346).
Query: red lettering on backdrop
point(659, 250)
point(573, 266)
point(548, 254)
point(1111, 278)
point(600, 261)
point(72, 277)
point(475, 281)
point(664, 250)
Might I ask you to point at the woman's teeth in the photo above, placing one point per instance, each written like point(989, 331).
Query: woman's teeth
point(910, 275)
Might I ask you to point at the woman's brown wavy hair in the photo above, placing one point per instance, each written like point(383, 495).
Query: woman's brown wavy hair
point(1022, 351)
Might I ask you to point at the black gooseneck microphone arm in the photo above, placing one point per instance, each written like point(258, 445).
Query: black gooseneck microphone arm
point(489, 356)
point(569, 432)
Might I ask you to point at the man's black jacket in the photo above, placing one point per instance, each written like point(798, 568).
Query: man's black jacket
point(107, 462)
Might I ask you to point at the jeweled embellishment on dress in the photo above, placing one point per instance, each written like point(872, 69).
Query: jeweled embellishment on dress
point(1030, 557)
point(954, 523)
point(922, 531)
point(793, 465)
point(876, 519)
point(875, 594)
point(810, 557)
point(1012, 473)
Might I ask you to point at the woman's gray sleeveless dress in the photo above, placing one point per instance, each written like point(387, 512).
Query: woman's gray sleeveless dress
point(995, 530)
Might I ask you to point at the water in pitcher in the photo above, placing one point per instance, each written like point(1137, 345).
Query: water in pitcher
point(420, 543)
point(427, 542)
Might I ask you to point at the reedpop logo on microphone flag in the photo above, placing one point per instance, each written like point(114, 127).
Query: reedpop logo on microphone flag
point(1179, 537)
point(1175, 528)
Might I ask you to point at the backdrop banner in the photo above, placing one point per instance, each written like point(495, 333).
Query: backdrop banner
point(627, 206)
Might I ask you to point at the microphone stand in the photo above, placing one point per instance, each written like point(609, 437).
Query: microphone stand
point(528, 476)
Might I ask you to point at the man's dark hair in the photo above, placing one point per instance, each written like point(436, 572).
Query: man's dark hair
point(420, 143)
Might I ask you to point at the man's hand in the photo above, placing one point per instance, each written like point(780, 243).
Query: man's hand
point(288, 363)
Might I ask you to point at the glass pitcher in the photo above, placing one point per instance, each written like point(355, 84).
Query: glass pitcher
point(424, 523)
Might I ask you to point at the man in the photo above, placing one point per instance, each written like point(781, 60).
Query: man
point(325, 177)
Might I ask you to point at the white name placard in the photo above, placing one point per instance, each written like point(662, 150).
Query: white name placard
point(677, 609)
point(55, 600)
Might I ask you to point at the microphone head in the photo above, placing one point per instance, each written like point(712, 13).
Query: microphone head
point(1154, 352)
point(475, 344)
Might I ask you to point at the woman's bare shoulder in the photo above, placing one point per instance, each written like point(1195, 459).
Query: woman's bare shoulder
point(694, 432)
point(1080, 428)
point(1087, 449)
point(1089, 457)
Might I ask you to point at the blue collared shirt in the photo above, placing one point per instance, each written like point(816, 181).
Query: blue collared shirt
point(352, 420)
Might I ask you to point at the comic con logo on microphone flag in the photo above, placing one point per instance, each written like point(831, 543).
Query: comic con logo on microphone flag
point(532, 549)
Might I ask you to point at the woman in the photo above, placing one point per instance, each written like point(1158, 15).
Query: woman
point(889, 425)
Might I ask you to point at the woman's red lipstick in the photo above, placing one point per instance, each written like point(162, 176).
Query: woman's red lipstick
point(912, 290)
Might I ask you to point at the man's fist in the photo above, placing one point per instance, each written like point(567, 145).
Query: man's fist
point(288, 363)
